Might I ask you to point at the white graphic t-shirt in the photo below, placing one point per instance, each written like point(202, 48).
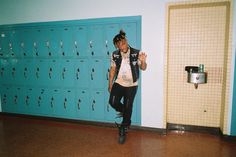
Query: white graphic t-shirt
point(125, 77)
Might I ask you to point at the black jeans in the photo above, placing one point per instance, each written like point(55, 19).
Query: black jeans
point(128, 94)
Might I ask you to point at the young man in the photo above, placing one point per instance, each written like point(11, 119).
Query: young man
point(123, 78)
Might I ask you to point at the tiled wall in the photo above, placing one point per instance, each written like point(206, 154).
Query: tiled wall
point(198, 34)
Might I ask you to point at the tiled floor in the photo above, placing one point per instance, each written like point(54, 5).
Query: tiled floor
point(22, 137)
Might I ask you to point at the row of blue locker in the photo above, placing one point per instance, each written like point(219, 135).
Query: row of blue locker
point(81, 73)
point(68, 103)
point(63, 41)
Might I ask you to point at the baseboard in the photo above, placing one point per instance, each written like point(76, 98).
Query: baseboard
point(193, 128)
point(83, 122)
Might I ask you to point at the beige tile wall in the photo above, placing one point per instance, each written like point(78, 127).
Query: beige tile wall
point(197, 34)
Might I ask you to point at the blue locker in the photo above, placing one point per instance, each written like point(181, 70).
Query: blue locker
point(35, 101)
point(54, 73)
point(96, 41)
point(13, 43)
point(81, 48)
point(81, 68)
point(110, 31)
point(82, 104)
point(67, 42)
point(42, 72)
point(97, 105)
point(26, 42)
point(4, 70)
point(4, 44)
point(41, 43)
point(97, 73)
point(24, 100)
point(53, 42)
point(26, 72)
point(12, 76)
point(46, 101)
point(67, 73)
point(68, 104)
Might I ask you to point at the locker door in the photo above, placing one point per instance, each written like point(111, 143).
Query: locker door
point(110, 31)
point(49, 99)
point(69, 106)
point(25, 97)
point(4, 44)
point(97, 73)
point(46, 102)
point(3, 72)
point(42, 72)
point(55, 100)
point(81, 73)
point(96, 41)
point(27, 72)
point(82, 104)
point(97, 106)
point(13, 71)
point(42, 42)
point(13, 43)
point(6, 100)
point(54, 73)
point(81, 41)
point(27, 46)
point(53, 42)
point(131, 33)
point(34, 101)
point(66, 42)
point(67, 73)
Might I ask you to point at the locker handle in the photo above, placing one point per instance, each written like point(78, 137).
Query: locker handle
point(79, 101)
point(91, 44)
point(37, 73)
point(15, 99)
point(63, 73)
point(108, 108)
point(39, 100)
point(77, 74)
point(93, 105)
point(50, 73)
point(27, 100)
point(92, 73)
point(52, 99)
point(25, 70)
point(13, 72)
point(65, 101)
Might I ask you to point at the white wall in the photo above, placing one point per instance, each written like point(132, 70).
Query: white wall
point(153, 35)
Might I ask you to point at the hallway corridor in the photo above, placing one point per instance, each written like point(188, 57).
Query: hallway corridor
point(23, 137)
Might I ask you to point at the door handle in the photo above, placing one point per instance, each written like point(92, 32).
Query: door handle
point(92, 73)
point(63, 73)
point(50, 73)
point(65, 101)
point(52, 99)
point(77, 74)
point(93, 105)
point(108, 71)
point(79, 101)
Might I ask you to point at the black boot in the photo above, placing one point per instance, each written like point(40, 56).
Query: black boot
point(122, 133)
